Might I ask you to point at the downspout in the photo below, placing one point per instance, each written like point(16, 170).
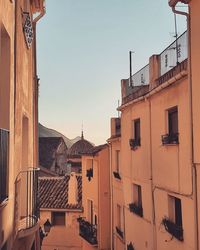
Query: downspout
point(111, 190)
point(194, 171)
point(36, 80)
point(151, 179)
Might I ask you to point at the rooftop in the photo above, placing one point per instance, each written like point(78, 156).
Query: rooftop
point(53, 192)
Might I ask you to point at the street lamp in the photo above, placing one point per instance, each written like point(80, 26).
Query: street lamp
point(45, 231)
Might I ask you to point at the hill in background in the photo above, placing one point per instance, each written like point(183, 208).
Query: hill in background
point(48, 132)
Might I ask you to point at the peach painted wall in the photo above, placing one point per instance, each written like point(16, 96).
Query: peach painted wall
point(98, 190)
point(62, 237)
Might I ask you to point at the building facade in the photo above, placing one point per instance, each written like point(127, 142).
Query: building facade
point(159, 205)
point(94, 224)
point(61, 205)
point(116, 188)
point(19, 218)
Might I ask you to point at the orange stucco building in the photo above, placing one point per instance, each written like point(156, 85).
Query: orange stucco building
point(19, 218)
point(94, 224)
point(159, 148)
point(116, 187)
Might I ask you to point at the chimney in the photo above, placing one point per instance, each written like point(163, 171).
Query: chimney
point(73, 189)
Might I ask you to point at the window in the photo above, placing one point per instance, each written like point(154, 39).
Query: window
point(4, 155)
point(136, 205)
point(173, 224)
point(134, 143)
point(175, 210)
point(117, 160)
point(90, 211)
point(137, 129)
point(172, 136)
point(173, 121)
point(119, 221)
point(58, 218)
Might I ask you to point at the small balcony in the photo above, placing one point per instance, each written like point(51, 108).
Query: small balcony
point(170, 139)
point(26, 202)
point(134, 143)
point(136, 209)
point(89, 173)
point(87, 231)
point(119, 232)
point(173, 229)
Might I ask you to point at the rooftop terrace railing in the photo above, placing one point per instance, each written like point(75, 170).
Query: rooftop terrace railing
point(174, 54)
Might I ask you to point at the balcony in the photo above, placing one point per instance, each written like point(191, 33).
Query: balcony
point(134, 143)
point(119, 232)
point(89, 173)
point(173, 229)
point(170, 139)
point(136, 209)
point(26, 202)
point(4, 155)
point(87, 231)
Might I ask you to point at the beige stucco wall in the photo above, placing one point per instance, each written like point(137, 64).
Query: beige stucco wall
point(21, 95)
point(98, 190)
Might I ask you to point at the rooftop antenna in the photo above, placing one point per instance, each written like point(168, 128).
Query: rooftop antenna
point(130, 64)
point(176, 37)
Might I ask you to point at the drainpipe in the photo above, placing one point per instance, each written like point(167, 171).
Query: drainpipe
point(172, 4)
point(36, 80)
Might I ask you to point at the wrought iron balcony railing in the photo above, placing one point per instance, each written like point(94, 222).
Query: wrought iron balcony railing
point(170, 139)
point(134, 143)
point(26, 199)
point(4, 155)
point(87, 231)
point(89, 173)
point(121, 234)
point(173, 229)
point(134, 208)
point(130, 246)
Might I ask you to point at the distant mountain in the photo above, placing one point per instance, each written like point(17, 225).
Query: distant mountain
point(48, 132)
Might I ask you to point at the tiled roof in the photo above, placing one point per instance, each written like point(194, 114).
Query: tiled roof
point(79, 148)
point(47, 147)
point(53, 192)
point(95, 150)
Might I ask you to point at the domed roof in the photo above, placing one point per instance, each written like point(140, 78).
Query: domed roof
point(80, 147)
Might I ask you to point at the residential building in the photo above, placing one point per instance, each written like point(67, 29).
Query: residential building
point(53, 154)
point(117, 197)
point(61, 205)
point(156, 173)
point(94, 224)
point(19, 222)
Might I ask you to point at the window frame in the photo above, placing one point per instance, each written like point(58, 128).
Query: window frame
point(53, 219)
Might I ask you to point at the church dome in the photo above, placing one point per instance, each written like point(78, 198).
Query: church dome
point(80, 147)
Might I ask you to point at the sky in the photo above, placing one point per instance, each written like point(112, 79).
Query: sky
point(83, 53)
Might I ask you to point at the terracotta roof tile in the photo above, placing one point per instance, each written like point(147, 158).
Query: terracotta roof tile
point(53, 192)
point(95, 150)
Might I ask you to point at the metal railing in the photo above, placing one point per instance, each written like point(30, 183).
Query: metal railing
point(174, 229)
point(26, 199)
point(134, 143)
point(170, 139)
point(87, 231)
point(136, 209)
point(174, 54)
point(4, 162)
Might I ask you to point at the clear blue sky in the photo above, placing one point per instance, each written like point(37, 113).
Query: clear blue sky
point(83, 54)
